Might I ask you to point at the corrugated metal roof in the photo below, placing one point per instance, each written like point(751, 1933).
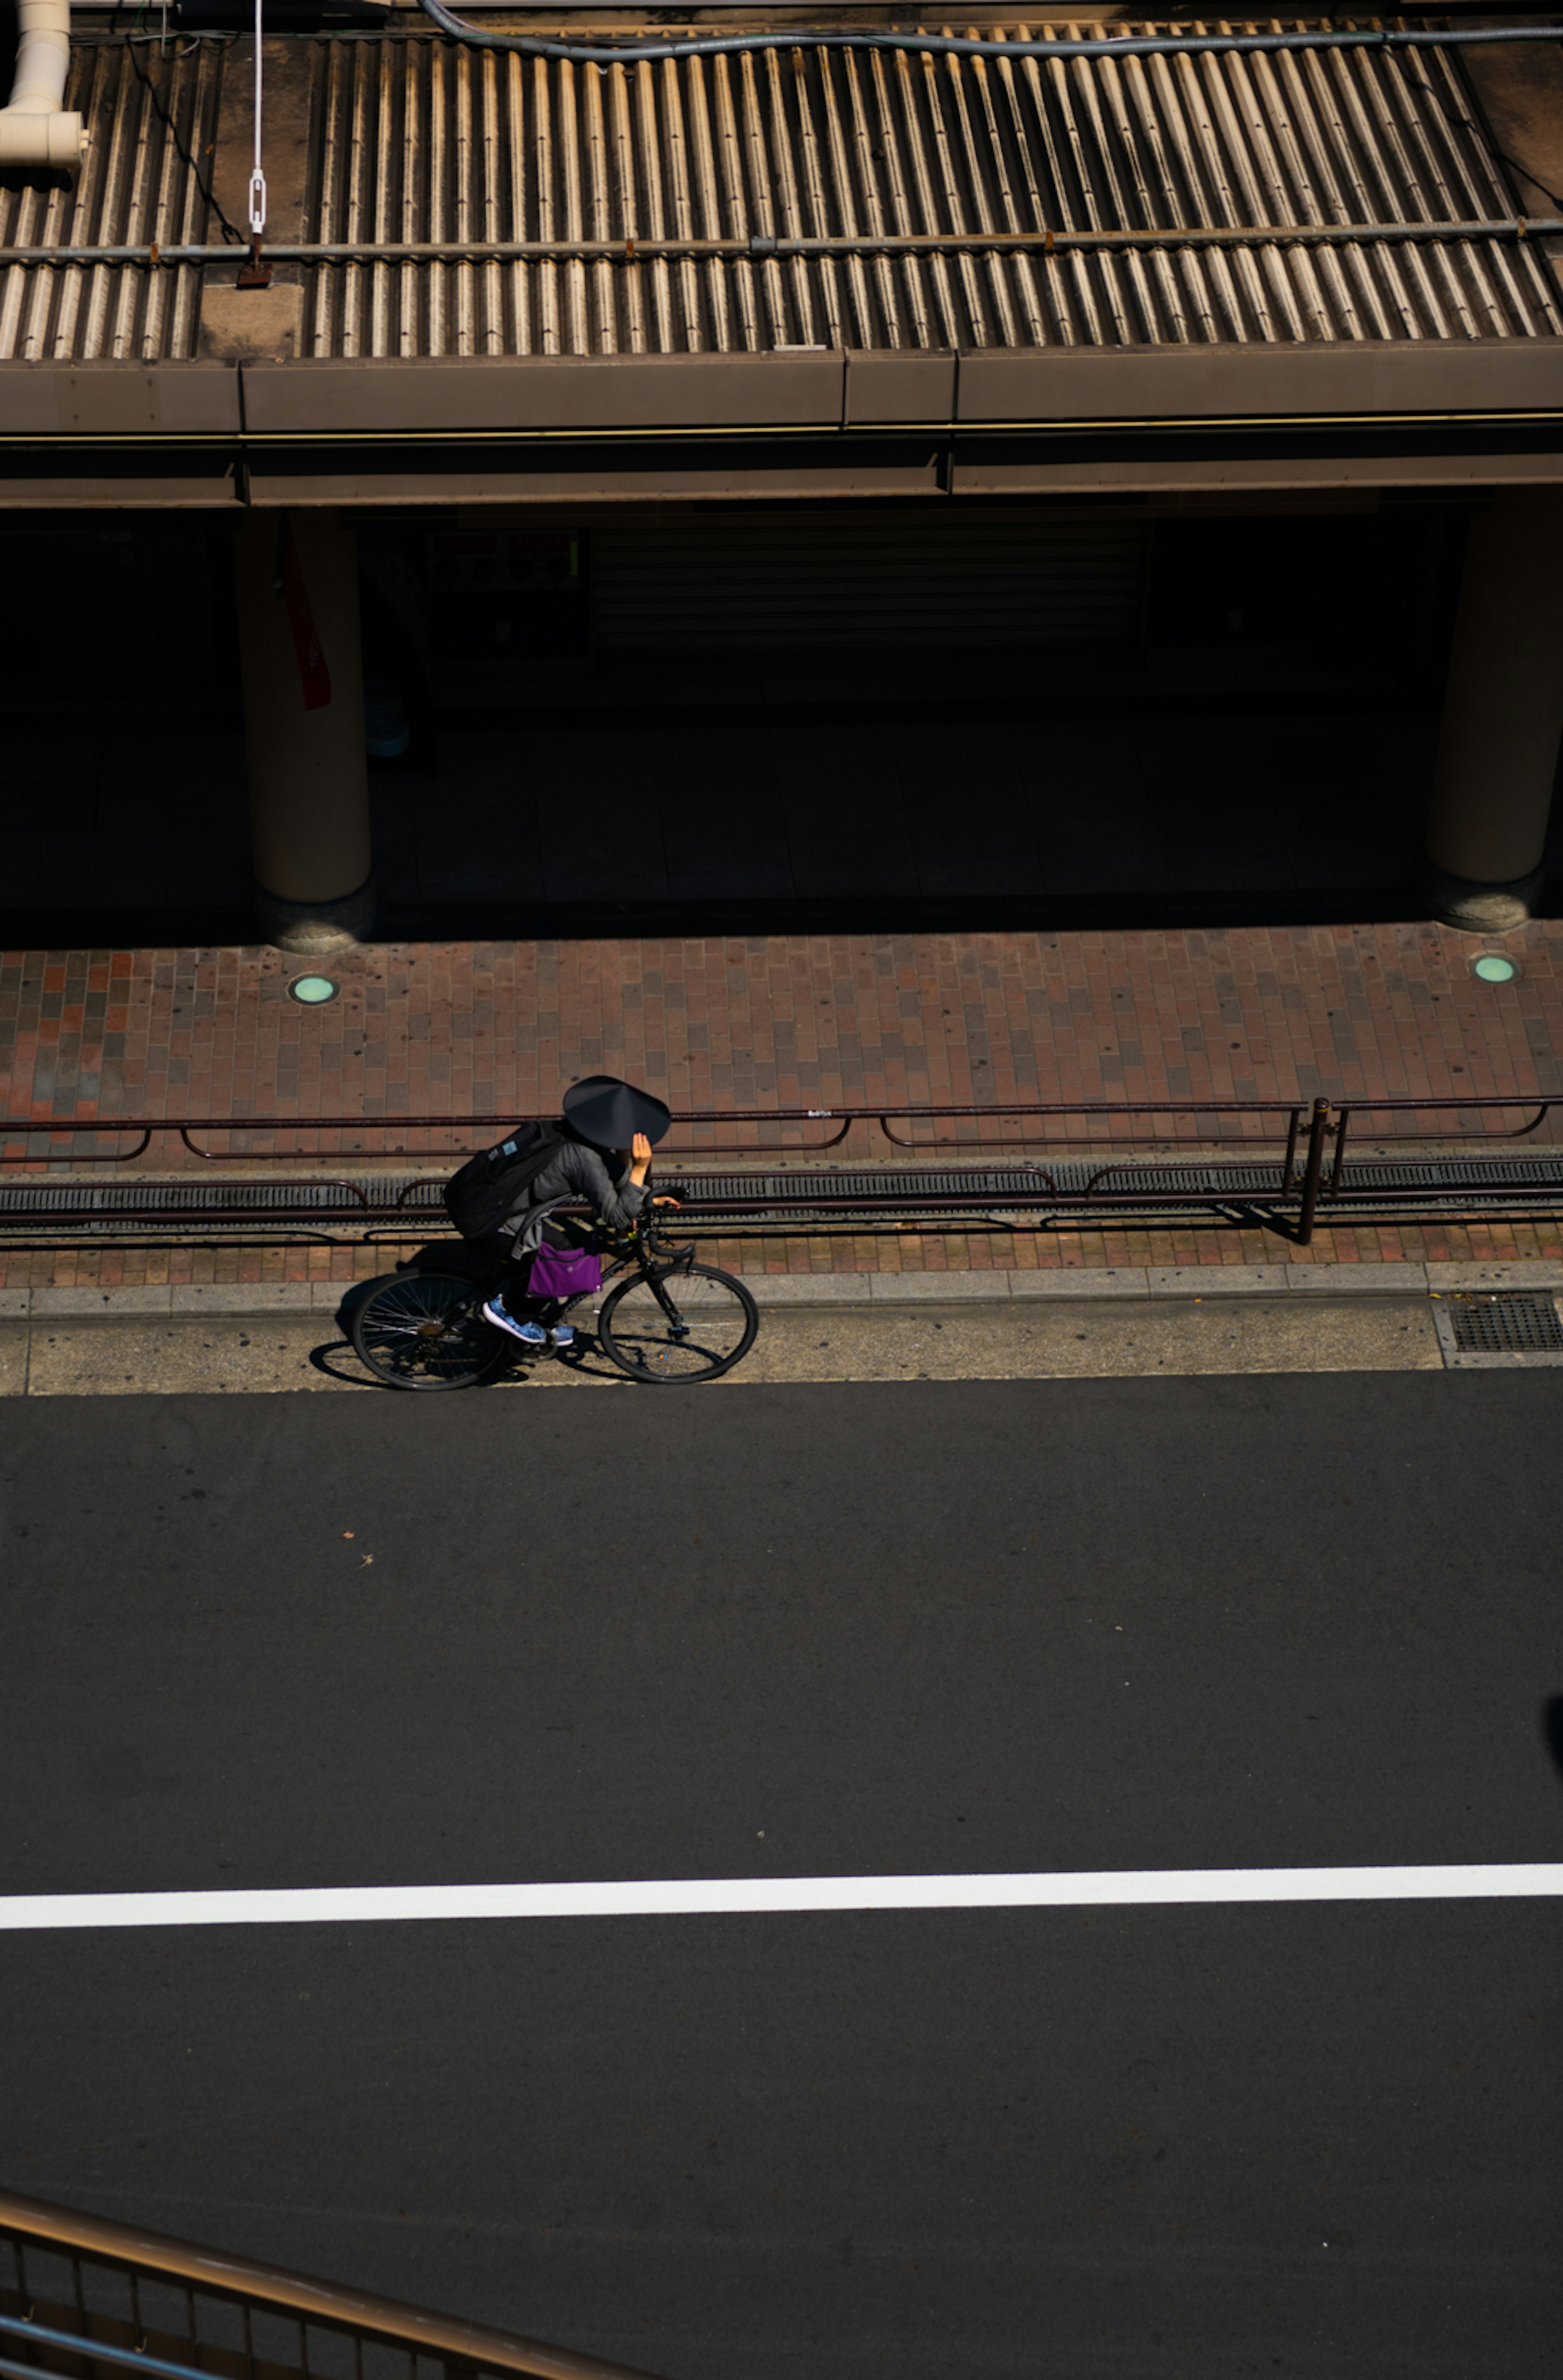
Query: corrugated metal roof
point(424, 139)
point(148, 121)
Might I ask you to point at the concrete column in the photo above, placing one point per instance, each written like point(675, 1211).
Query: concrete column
point(1503, 717)
point(297, 584)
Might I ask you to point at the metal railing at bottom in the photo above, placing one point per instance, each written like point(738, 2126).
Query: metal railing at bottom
point(86, 2299)
point(1279, 1163)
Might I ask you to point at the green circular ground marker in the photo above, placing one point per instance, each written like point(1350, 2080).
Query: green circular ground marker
point(1492, 968)
point(312, 990)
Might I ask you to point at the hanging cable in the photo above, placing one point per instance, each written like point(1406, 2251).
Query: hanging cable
point(199, 173)
point(1111, 45)
point(258, 179)
point(256, 276)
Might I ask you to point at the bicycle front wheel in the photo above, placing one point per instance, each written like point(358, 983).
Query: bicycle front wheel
point(426, 1331)
point(693, 1325)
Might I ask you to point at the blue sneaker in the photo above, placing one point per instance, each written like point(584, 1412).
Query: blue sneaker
point(531, 1334)
point(562, 1335)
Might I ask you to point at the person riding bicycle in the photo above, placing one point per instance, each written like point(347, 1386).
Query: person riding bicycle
point(604, 1158)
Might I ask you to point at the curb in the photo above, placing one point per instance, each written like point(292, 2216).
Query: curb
point(813, 1289)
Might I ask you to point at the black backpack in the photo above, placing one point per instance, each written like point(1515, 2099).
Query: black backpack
point(479, 1198)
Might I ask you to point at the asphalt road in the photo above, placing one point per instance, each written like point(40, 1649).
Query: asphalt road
point(810, 1630)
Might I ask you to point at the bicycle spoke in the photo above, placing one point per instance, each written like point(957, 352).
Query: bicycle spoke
point(425, 1331)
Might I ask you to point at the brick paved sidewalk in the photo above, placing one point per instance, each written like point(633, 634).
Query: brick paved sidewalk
point(1351, 1012)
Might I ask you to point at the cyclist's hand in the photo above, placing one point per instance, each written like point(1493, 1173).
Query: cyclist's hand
point(640, 1158)
point(665, 1202)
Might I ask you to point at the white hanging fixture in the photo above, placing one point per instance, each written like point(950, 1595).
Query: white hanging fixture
point(256, 276)
point(257, 179)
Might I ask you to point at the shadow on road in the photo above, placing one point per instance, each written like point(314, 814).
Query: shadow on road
point(350, 1372)
point(1552, 1729)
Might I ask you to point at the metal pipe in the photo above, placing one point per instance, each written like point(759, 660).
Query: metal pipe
point(631, 250)
point(1111, 45)
point(95, 2350)
point(1338, 1168)
point(36, 129)
point(1318, 1125)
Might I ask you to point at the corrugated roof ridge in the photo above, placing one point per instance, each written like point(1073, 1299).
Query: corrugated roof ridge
point(477, 145)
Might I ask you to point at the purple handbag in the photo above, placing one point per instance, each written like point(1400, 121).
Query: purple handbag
point(563, 1272)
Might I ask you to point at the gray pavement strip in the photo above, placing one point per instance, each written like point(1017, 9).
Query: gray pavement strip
point(13, 1359)
point(1059, 1339)
point(1070, 1284)
point(262, 1338)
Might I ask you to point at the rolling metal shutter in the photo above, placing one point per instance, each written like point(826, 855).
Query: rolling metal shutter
point(865, 584)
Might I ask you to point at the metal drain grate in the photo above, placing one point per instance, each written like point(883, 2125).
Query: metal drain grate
point(1503, 1327)
point(1514, 1324)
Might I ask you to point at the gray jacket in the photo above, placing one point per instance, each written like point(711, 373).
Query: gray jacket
point(572, 1173)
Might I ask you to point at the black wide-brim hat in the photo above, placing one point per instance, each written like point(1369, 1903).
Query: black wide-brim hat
point(603, 1109)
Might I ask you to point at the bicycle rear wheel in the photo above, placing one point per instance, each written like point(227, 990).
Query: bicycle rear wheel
point(426, 1331)
point(708, 1325)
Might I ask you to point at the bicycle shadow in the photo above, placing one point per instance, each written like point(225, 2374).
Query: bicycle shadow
point(588, 1358)
point(346, 1367)
point(339, 1361)
point(349, 1372)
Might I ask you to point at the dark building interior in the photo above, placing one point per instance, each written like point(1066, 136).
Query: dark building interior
point(727, 718)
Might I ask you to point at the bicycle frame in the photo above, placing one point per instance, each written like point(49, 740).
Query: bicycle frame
point(641, 1253)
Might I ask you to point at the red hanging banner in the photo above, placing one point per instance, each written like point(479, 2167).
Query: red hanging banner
point(314, 676)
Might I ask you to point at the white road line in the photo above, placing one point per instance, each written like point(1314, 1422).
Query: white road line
point(741, 1896)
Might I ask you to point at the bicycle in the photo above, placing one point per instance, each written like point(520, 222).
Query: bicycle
point(670, 1323)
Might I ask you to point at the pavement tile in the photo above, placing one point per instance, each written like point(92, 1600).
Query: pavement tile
point(1218, 1281)
point(250, 1297)
point(812, 1289)
point(935, 1288)
point(1525, 1273)
point(1357, 1279)
point(834, 1021)
point(1083, 1280)
point(46, 1301)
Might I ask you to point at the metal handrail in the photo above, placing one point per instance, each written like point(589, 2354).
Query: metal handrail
point(26, 1127)
point(1294, 1110)
point(463, 2347)
point(1101, 1112)
point(1308, 1127)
